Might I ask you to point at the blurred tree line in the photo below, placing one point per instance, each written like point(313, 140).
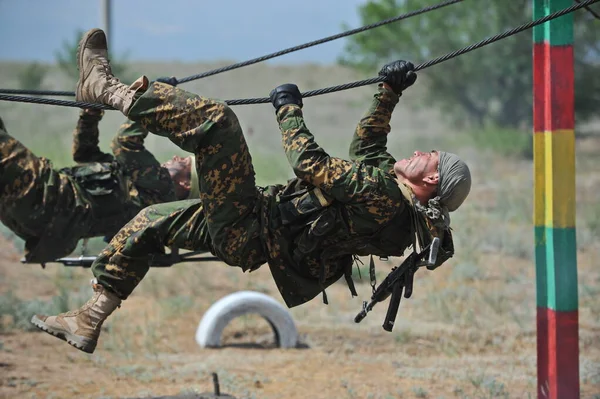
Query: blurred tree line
point(491, 86)
point(66, 58)
point(32, 76)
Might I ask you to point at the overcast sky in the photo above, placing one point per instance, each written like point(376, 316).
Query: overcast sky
point(180, 30)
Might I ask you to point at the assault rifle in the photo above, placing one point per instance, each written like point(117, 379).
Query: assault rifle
point(399, 279)
point(165, 260)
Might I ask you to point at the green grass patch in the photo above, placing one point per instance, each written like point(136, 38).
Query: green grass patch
point(16, 313)
point(502, 141)
point(271, 168)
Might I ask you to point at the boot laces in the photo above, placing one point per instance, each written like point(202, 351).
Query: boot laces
point(89, 303)
point(105, 65)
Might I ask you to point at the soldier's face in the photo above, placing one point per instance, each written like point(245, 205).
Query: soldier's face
point(421, 168)
point(180, 170)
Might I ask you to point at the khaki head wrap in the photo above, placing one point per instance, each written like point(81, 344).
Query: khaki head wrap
point(194, 184)
point(455, 181)
point(453, 187)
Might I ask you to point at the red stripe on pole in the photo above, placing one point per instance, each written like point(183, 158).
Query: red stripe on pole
point(553, 91)
point(559, 100)
point(539, 87)
point(558, 353)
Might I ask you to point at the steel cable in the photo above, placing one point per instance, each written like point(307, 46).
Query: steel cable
point(258, 59)
point(346, 86)
point(320, 41)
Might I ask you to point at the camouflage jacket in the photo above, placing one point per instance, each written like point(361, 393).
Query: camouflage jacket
point(336, 209)
point(108, 189)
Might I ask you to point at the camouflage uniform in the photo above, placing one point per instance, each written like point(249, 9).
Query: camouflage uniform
point(308, 231)
point(52, 209)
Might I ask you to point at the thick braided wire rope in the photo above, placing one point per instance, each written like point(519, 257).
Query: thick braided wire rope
point(320, 41)
point(52, 101)
point(351, 85)
point(432, 62)
point(38, 92)
point(588, 9)
point(262, 58)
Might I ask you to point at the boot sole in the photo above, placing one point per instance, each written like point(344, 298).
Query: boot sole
point(80, 48)
point(81, 343)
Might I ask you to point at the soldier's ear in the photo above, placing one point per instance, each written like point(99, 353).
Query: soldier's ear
point(184, 175)
point(432, 179)
point(185, 183)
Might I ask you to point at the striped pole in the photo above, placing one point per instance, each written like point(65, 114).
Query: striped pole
point(554, 212)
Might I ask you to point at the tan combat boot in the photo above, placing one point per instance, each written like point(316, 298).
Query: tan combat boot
point(81, 327)
point(96, 82)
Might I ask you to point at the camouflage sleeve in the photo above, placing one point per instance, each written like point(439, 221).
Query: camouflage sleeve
point(151, 180)
point(85, 138)
point(370, 137)
point(343, 180)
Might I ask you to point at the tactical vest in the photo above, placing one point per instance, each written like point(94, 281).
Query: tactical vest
point(316, 226)
point(105, 191)
point(312, 218)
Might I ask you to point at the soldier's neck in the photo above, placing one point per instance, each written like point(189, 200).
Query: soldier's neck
point(423, 193)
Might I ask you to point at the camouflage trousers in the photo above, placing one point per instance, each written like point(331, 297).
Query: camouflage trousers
point(223, 220)
point(29, 189)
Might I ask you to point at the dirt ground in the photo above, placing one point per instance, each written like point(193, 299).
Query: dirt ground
point(147, 348)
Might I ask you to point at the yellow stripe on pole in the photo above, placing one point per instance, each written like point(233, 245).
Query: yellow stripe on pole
point(559, 185)
point(539, 175)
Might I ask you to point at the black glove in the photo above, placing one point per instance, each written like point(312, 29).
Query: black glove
point(168, 80)
point(399, 75)
point(285, 94)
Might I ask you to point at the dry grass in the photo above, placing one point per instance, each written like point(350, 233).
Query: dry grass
point(468, 331)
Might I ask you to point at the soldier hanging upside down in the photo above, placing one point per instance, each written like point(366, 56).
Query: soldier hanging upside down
point(52, 209)
point(308, 231)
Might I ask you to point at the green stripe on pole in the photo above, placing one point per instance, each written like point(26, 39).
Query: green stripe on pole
point(539, 11)
point(561, 33)
point(556, 268)
point(540, 267)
